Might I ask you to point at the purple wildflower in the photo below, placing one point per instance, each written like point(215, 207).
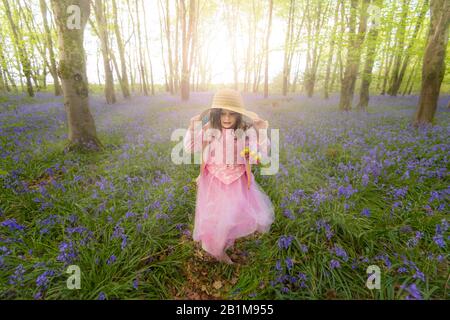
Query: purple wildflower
point(289, 263)
point(402, 270)
point(334, 264)
point(414, 292)
point(67, 252)
point(129, 214)
point(12, 225)
point(400, 193)
point(288, 214)
point(340, 252)
point(278, 265)
point(42, 280)
point(365, 179)
point(111, 259)
point(17, 277)
point(365, 212)
point(101, 296)
point(346, 192)
point(285, 241)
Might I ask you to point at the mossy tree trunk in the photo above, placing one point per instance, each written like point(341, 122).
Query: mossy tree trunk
point(72, 71)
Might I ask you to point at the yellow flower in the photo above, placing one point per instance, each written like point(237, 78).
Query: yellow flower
point(245, 152)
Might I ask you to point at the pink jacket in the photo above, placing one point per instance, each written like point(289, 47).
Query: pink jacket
point(216, 161)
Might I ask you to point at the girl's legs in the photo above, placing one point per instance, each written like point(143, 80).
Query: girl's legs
point(225, 258)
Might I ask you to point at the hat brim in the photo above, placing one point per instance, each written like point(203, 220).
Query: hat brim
point(252, 115)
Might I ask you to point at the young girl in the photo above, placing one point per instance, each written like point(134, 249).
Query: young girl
point(230, 204)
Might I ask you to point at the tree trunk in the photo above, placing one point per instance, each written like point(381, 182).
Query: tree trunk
point(72, 71)
point(176, 62)
point(147, 41)
point(2, 81)
point(331, 53)
point(161, 37)
point(166, 19)
point(124, 84)
point(141, 55)
point(21, 50)
point(49, 43)
point(399, 75)
point(313, 57)
point(288, 47)
point(110, 94)
point(187, 46)
point(353, 55)
point(6, 74)
point(368, 66)
point(410, 80)
point(433, 68)
point(399, 50)
point(266, 51)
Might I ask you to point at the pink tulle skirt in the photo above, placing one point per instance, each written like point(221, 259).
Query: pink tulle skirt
point(225, 212)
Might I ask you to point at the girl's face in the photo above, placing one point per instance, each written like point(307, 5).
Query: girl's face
point(228, 119)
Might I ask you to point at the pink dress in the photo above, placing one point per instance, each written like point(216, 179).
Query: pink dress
point(226, 208)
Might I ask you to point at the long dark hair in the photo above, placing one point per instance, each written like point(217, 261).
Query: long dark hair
point(214, 120)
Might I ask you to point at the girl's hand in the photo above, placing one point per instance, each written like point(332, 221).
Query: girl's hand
point(260, 124)
point(195, 118)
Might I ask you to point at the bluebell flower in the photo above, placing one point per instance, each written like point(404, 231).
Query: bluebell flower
point(346, 192)
point(159, 216)
point(78, 230)
point(38, 295)
point(67, 252)
point(17, 277)
point(101, 296)
point(129, 214)
point(402, 270)
point(288, 214)
point(285, 241)
point(73, 218)
point(414, 292)
point(322, 224)
point(284, 289)
point(124, 241)
point(334, 264)
point(111, 259)
point(278, 265)
point(289, 263)
point(42, 279)
point(419, 275)
point(365, 179)
point(12, 224)
point(302, 276)
point(340, 252)
point(118, 231)
point(365, 212)
point(400, 192)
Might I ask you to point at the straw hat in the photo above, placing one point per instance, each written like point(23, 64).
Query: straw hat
point(231, 100)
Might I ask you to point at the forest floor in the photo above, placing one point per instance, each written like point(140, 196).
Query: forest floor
point(353, 190)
